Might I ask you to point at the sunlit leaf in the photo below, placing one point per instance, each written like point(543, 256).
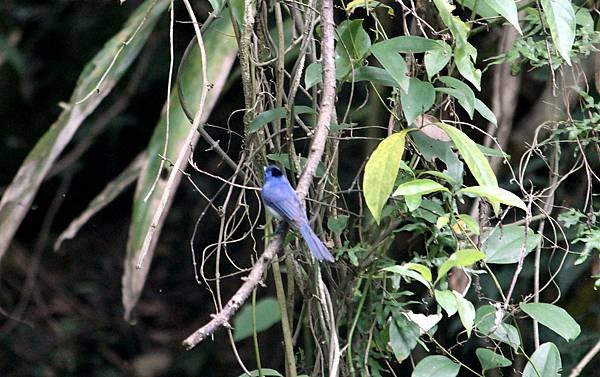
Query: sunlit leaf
point(447, 301)
point(461, 258)
point(496, 194)
point(381, 171)
point(418, 187)
point(560, 16)
point(423, 270)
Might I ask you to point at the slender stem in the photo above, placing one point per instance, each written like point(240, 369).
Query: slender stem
point(255, 335)
point(586, 359)
point(354, 323)
point(285, 325)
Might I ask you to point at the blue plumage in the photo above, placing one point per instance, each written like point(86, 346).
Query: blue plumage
point(281, 200)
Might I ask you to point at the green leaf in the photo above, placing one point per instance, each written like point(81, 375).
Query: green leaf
point(406, 272)
point(408, 44)
point(475, 160)
point(488, 324)
point(313, 75)
point(503, 245)
point(423, 270)
point(418, 187)
point(352, 47)
point(403, 337)
point(337, 225)
point(491, 360)
point(381, 171)
point(265, 372)
point(553, 317)
point(417, 100)
point(466, 312)
point(465, 54)
point(392, 63)
point(465, 96)
point(413, 202)
point(436, 60)
point(491, 152)
point(508, 10)
point(546, 360)
point(221, 52)
point(485, 111)
point(560, 17)
point(374, 75)
point(496, 194)
point(436, 366)
point(267, 314)
point(470, 223)
point(95, 82)
point(447, 301)
point(480, 7)
point(276, 113)
point(461, 258)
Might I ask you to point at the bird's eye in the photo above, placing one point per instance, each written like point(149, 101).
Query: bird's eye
point(275, 172)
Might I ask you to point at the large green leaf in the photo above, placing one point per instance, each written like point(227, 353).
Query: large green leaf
point(447, 301)
point(403, 337)
point(381, 171)
point(352, 47)
point(488, 324)
point(461, 258)
point(546, 360)
point(436, 366)
point(490, 359)
point(553, 317)
point(466, 312)
point(96, 81)
point(496, 194)
point(221, 50)
point(503, 245)
point(508, 10)
point(267, 314)
point(393, 63)
point(417, 100)
point(465, 55)
point(418, 187)
point(475, 160)
point(560, 16)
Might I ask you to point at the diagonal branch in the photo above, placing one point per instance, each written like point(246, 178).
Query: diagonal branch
point(316, 153)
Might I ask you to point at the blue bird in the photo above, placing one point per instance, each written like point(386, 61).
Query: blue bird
point(281, 200)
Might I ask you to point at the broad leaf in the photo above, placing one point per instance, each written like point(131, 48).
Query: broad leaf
point(221, 51)
point(418, 187)
point(475, 160)
point(375, 75)
point(381, 171)
point(504, 244)
point(496, 194)
point(508, 10)
point(393, 63)
point(491, 360)
point(466, 312)
point(488, 321)
point(313, 75)
point(403, 337)
point(352, 47)
point(267, 314)
point(436, 366)
point(462, 92)
point(447, 301)
point(423, 270)
point(406, 272)
point(553, 317)
point(419, 98)
point(436, 60)
point(546, 360)
point(461, 258)
point(560, 16)
point(96, 81)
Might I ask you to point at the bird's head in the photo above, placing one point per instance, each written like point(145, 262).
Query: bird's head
point(272, 171)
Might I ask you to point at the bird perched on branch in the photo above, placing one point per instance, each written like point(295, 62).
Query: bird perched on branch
point(283, 203)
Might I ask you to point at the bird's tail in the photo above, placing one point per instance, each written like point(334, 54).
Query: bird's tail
point(314, 244)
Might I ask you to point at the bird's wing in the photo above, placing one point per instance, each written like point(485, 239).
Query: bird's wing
point(285, 202)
